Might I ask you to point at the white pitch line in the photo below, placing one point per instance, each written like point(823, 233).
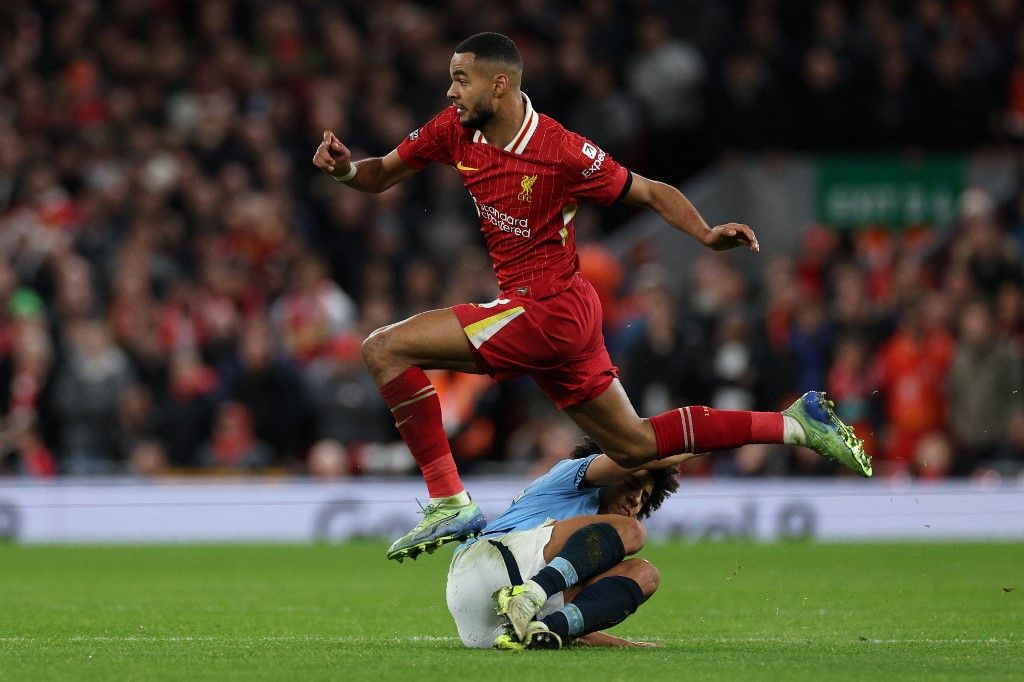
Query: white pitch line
point(434, 638)
point(779, 640)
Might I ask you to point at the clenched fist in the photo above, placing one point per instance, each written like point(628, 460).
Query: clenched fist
point(332, 156)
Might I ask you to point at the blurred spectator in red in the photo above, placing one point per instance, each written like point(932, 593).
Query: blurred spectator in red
point(26, 378)
point(817, 253)
point(602, 269)
point(911, 368)
point(8, 286)
point(23, 453)
point(233, 443)
point(312, 312)
point(781, 301)
point(876, 251)
point(180, 326)
point(849, 386)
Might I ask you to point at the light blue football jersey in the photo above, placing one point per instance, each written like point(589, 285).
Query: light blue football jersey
point(558, 494)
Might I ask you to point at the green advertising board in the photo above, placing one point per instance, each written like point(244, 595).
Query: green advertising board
point(890, 191)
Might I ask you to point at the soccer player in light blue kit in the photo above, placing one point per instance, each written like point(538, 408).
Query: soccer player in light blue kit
point(569, 532)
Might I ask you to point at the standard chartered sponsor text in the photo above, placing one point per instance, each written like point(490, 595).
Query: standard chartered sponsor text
point(505, 222)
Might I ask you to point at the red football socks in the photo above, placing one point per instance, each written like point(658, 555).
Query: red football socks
point(417, 411)
point(701, 429)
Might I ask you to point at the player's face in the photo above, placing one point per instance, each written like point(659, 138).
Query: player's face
point(471, 91)
point(628, 497)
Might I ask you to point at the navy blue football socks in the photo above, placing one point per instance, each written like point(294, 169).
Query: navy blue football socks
point(607, 602)
point(589, 551)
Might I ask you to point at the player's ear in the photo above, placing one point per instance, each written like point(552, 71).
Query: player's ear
point(500, 85)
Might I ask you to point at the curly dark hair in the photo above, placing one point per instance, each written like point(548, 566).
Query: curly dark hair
point(665, 480)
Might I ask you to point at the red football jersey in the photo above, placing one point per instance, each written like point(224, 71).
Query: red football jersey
point(525, 194)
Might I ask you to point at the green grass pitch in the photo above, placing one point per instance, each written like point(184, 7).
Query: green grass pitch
point(724, 611)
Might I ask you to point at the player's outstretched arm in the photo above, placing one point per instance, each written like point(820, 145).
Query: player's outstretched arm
point(676, 210)
point(372, 175)
point(604, 470)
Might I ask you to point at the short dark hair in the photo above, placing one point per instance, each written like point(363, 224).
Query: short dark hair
point(665, 480)
point(493, 47)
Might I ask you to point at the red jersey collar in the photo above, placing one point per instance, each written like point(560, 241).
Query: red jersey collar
point(525, 134)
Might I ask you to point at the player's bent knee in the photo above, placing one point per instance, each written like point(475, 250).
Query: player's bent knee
point(375, 349)
point(633, 534)
point(646, 575)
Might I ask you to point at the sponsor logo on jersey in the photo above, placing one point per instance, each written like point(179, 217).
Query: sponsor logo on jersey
point(414, 135)
point(527, 185)
point(589, 150)
point(520, 227)
point(598, 157)
point(466, 169)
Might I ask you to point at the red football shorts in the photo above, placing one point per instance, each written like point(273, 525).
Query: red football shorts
point(556, 340)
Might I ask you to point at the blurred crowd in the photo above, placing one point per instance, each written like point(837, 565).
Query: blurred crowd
point(181, 291)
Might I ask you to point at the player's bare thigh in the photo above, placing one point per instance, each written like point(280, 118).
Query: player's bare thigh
point(630, 531)
point(430, 340)
point(613, 423)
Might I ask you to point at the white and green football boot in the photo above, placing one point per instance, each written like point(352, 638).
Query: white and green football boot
point(442, 522)
point(826, 434)
point(519, 604)
point(538, 636)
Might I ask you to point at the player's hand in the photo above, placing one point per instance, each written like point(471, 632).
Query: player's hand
point(729, 236)
point(645, 645)
point(332, 157)
point(604, 639)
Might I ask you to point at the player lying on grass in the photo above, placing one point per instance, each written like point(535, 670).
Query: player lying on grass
point(569, 532)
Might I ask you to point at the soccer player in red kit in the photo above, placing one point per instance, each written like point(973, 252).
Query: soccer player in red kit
point(527, 175)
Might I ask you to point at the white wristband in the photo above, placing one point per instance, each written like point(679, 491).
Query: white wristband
point(347, 176)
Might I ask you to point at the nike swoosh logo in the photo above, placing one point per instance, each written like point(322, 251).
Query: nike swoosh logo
point(462, 167)
point(399, 424)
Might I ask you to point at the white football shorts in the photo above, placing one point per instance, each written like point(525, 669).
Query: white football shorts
point(480, 570)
